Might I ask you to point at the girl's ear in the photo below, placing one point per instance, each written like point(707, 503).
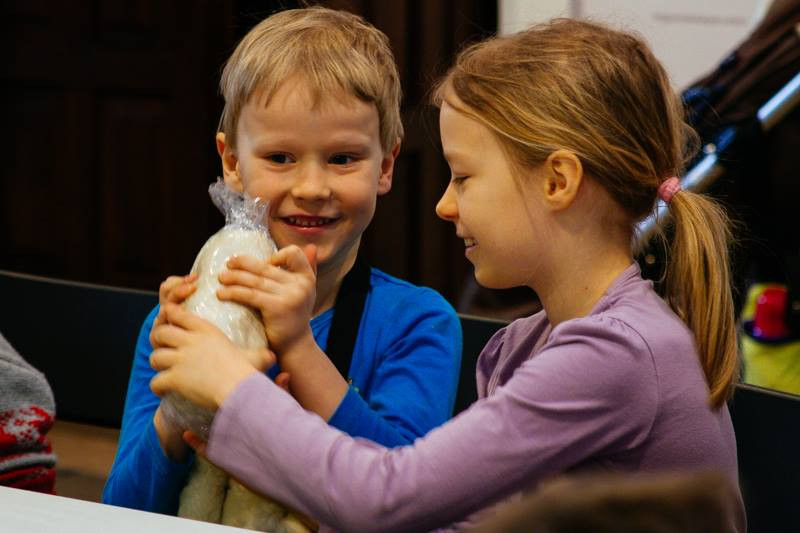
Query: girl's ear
point(563, 173)
point(230, 164)
point(387, 169)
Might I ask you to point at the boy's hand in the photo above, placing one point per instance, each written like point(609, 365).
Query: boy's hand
point(174, 289)
point(197, 360)
point(282, 288)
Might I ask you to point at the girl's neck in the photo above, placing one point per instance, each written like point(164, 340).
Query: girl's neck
point(573, 291)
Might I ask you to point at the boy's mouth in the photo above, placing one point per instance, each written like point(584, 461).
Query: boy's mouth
point(305, 221)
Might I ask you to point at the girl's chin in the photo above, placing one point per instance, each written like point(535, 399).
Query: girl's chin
point(489, 280)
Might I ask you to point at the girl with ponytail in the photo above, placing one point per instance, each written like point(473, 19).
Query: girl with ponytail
point(559, 139)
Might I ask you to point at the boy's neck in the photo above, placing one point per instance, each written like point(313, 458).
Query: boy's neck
point(329, 281)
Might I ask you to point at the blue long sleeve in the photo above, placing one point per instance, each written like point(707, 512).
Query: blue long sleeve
point(143, 477)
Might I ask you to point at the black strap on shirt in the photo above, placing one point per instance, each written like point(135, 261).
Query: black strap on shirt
point(347, 311)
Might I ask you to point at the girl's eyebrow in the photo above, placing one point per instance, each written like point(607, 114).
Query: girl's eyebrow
point(453, 155)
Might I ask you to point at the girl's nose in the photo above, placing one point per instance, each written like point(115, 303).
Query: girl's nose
point(311, 183)
point(446, 208)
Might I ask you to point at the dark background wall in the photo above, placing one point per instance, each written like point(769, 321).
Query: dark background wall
point(110, 111)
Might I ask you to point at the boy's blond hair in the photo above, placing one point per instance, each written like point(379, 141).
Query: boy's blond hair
point(332, 51)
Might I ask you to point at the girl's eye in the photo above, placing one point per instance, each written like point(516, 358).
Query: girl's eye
point(279, 158)
point(458, 180)
point(342, 159)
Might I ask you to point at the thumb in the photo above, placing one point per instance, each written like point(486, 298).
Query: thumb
point(311, 254)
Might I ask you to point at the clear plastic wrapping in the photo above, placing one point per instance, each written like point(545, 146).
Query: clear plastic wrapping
point(244, 233)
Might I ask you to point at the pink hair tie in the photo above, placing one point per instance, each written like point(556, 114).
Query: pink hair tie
point(668, 188)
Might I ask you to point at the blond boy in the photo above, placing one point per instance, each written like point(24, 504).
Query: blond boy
point(312, 125)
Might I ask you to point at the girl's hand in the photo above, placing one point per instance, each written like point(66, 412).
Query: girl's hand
point(174, 289)
point(197, 361)
point(199, 445)
point(282, 288)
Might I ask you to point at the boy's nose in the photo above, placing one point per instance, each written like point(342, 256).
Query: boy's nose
point(311, 183)
point(446, 208)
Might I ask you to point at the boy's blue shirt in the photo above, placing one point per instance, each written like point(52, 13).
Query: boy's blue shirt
point(404, 374)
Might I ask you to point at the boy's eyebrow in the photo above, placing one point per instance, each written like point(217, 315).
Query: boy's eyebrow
point(351, 139)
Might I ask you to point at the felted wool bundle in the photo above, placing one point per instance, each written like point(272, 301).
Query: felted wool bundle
point(210, 494)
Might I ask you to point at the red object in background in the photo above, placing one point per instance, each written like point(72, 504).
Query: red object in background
point(770, 318)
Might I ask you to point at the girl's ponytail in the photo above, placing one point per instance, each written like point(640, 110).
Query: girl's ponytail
point(698, 287)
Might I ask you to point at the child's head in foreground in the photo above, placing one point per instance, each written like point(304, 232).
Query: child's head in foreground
point(311, 124)
point(586, 125)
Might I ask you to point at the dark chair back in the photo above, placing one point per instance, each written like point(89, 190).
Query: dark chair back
point(81, 336)
point(477, 332)
point(767, 425)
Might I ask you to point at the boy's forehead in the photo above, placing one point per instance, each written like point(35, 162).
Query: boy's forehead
point(295, 110)
point(312, 95)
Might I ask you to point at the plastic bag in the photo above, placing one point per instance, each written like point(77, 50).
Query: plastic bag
point(244, 233)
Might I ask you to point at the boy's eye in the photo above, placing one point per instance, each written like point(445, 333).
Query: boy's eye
point(279, 158)
point(458, 180)
point(342, 159)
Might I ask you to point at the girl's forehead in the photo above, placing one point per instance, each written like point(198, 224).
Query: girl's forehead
point(459, 129)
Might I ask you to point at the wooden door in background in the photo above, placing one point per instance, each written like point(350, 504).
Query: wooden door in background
point(111, 109)
point(111, 112)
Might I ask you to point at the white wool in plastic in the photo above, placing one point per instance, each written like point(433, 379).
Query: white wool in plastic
point(241, 324)
point(243, 234)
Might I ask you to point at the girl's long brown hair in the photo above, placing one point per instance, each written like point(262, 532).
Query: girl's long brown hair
point(602, 94)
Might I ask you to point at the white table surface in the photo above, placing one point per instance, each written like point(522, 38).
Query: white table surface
point(23, 511)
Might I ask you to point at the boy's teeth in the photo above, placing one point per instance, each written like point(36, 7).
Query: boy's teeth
point(309, 222)
point(469, 242)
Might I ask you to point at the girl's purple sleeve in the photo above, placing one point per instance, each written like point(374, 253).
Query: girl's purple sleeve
point(592, 390)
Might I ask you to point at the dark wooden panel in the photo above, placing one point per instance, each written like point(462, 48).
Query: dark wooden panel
point(44, 220)
point(134, 147)
point(114, 108)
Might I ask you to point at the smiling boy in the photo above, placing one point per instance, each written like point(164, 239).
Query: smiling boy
point(312, 125)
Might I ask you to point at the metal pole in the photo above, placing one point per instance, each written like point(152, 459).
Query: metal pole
point(707, 170)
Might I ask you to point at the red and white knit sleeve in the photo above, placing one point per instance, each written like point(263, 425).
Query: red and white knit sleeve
point(27, 412)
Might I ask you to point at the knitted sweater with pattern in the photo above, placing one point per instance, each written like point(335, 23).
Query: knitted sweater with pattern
point(27, 410)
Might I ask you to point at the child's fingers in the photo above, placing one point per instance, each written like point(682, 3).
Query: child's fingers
point(260, 299)
point(168, 336)
point(163, 359)
point(173, 281)
point(161, 382)
point(263, 281)
point(293, 259)
point(246, 262)
point(161, 318)
point(179, 293)
point(194, 442)
point(311, 254)
point(178, 316)
point(168, 284)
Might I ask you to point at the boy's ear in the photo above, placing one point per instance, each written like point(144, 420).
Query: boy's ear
point(563, 173)
point(230, 164)
point(387, 169)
